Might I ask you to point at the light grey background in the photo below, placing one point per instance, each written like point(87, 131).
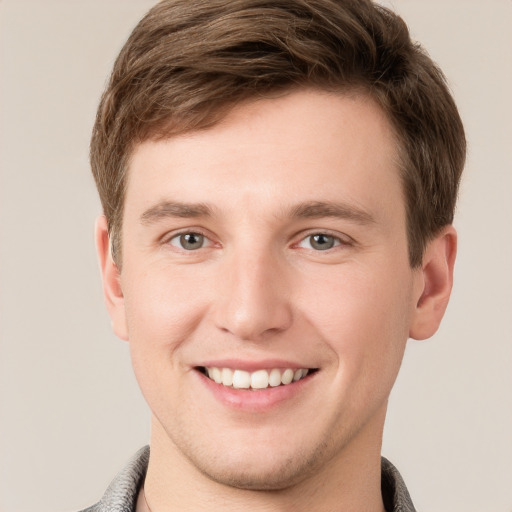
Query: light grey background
point(70, 410)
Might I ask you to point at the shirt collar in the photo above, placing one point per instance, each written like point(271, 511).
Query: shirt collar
point(121, 495)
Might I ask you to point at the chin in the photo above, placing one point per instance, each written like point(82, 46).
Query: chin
point(258, 471)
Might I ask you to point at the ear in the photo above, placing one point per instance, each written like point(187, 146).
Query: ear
point(111, 277)
point(435, 280)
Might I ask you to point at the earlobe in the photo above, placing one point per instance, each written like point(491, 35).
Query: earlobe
point(435, 280)
point(111, 278)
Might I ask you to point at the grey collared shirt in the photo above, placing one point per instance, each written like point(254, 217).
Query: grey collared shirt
point(121, 495)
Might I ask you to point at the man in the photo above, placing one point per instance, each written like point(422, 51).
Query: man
point(278, 182)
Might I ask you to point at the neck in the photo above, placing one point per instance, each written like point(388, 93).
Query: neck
point(350, 481)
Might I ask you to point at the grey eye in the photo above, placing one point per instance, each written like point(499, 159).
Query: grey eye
point(322, 242)
point(319, 242)
point(188, 241)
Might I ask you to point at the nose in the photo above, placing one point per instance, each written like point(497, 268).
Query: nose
point(253, 300)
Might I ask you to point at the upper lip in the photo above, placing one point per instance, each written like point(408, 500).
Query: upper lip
point(252, 365)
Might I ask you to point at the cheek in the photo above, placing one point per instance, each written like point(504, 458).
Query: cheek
point(364, 317)
point(162, 311)
point(161, 308)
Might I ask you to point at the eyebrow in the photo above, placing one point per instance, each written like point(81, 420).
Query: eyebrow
point(319, 209)
point(309, 210)
point(166, 209)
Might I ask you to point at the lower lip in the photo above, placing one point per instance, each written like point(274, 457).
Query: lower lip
point(259, 400)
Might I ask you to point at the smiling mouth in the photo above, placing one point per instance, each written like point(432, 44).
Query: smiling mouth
point(260, 379)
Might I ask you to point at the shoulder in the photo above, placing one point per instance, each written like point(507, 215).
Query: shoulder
point(394, 492)
point(121, 495)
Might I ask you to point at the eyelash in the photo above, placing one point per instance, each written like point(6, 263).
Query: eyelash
point(337, 240)
point(328, 239)
point(196, 232)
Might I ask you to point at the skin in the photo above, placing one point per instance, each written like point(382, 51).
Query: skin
point(258, 290)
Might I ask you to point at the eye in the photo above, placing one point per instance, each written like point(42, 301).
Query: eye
point(319, 242)
point(189, 241)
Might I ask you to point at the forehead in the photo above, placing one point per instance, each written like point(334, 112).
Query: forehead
point(306, 145)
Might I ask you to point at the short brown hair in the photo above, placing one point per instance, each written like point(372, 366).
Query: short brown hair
point(188, 62)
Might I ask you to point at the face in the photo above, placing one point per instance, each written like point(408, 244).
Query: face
point(265, 289)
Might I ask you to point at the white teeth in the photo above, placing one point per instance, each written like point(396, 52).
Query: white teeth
point(274, 379)
point(215, 374)
point(287, 376)
point(260, 379)
point(227, 376)
point(241, 379)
